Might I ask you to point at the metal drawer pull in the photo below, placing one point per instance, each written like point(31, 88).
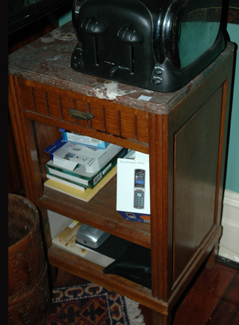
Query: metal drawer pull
point(81, 115)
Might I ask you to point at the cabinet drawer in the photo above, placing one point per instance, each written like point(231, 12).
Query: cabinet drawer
point(116, 120)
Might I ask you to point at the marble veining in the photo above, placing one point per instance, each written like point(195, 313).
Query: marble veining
point(47, 60)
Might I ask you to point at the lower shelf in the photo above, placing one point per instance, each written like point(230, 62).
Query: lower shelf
point(99, 213)
point(93, 272)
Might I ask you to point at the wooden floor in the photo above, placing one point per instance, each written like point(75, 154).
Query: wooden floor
point(212, 297)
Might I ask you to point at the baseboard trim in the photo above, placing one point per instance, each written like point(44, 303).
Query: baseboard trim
point(229, 243)
point(231, 198)
point(224, 260)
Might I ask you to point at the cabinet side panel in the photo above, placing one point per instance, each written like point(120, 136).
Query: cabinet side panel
point(155, 154)
point(223, 150)
point(196, 146)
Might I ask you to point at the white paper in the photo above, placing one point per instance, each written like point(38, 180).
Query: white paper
point(145, 98)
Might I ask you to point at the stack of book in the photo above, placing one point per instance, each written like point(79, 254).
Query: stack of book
point(81, 167)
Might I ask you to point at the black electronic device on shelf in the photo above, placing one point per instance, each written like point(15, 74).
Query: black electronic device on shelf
point(158, 45)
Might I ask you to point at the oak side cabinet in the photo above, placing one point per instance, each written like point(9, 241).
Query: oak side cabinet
point(184, 132)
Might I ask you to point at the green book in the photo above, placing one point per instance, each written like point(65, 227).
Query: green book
point(79, 176)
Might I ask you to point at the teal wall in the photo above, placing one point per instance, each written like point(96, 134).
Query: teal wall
point(232, 173)
point(65, 18)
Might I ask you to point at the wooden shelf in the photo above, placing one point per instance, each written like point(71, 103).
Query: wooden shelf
point(93, 272)
point(100, 213)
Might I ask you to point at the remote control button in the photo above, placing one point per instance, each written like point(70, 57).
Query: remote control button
point(157, 81)
point(158, 71)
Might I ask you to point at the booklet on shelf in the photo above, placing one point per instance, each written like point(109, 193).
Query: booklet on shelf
point(66, 240)
point(86, 195)
point(79, 176)
point(70, 155)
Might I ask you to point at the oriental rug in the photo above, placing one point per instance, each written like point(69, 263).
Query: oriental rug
point(91, 304)
point(233, 12)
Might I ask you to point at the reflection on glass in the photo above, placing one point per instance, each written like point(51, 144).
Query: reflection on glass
point(28, 2)
point(17, 5)
point(198, 37)
point(198, 29)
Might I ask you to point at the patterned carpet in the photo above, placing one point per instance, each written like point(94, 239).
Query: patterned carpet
point(91, 304)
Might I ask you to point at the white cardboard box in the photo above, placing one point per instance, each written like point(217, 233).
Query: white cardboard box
point(69, 155)
point(133, 187)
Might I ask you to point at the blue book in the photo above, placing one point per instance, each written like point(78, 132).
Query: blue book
point(83, 139)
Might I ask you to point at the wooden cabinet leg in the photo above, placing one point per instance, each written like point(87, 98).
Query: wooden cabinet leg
point(52, 272)
point(160, 319)
point(212, 258)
